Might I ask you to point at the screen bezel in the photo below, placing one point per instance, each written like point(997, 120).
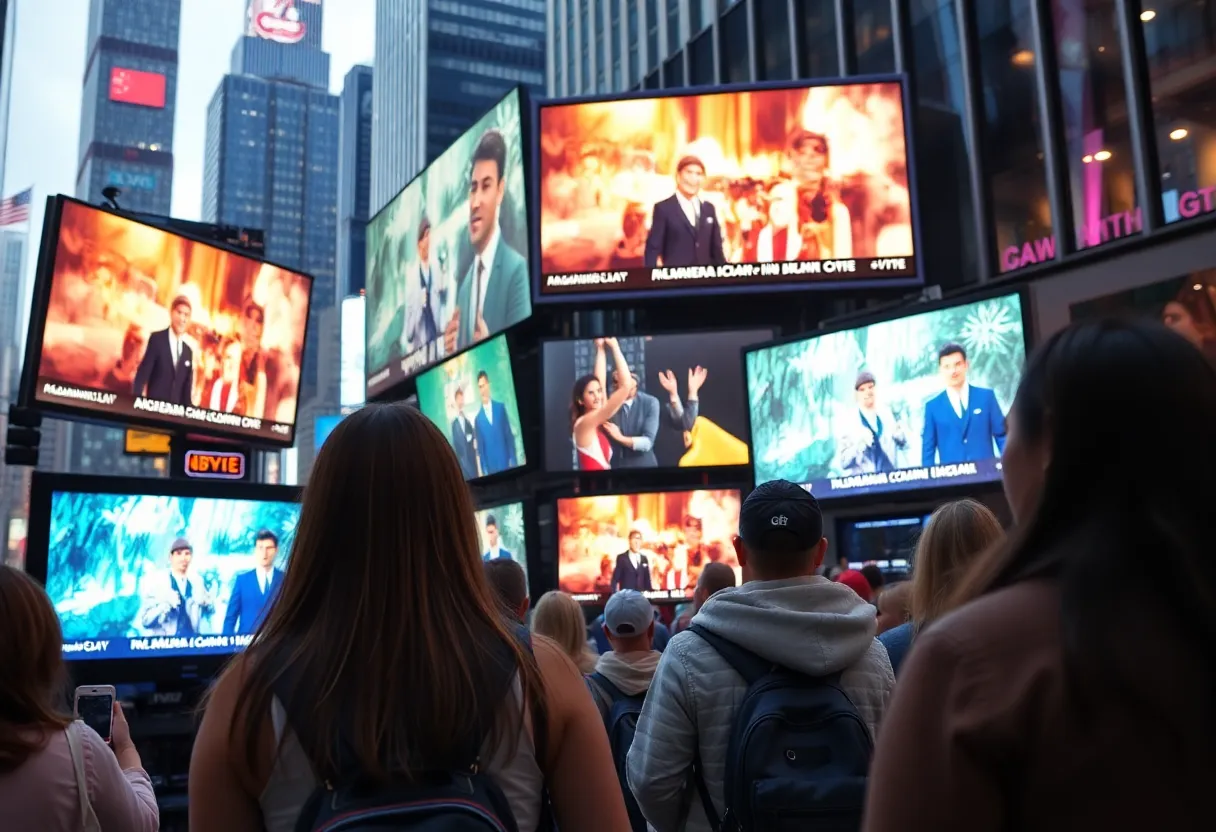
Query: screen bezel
point(731, 485)
point(893, 313)
point(392, 388)
point(602, 297)
point(40, 302)
point(546, 468)
point(152, 668)
point(531, 532)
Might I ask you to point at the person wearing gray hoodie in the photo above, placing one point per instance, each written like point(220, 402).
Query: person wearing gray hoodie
point(785, 614)
point(631, 663)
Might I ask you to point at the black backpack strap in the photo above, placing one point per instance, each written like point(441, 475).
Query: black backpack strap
point(746, 663)
point(707, 803)
point(614, 693)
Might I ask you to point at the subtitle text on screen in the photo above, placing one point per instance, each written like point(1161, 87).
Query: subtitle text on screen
point(118, 648)
point(730, 273)
point(905, 478)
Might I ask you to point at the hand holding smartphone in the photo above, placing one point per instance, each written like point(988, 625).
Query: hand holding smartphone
point(95, 707)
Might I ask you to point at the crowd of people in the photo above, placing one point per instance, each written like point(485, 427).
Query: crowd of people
point(1058, 675)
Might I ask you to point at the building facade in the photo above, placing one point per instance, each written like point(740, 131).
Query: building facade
point(354, 179)
point(8, 41)
point(440, 66)
point(1044, 129)
point(14, 481)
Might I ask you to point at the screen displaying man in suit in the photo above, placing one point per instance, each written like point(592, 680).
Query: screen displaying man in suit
point(963, 423)
point(422, 328)
point(494, 294)
point(495, 439)
point(632, 567)
point(177, 603)
point(253, 591)
point(870, 440)
point(495, 551)
point(684, 228)
point(464, 438)
point(633, 428)
point(166, 372)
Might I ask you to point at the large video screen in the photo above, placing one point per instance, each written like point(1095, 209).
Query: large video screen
point(141, 576)
point(472, 399)
point(686, 409)
point(447, 259)
point(503, 535)
point(751, 189)
point(655, 543)
point(910, 403)
point(145, 326)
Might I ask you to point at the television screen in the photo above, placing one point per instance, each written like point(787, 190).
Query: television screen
point(502, 533)
point(688, 411)
point(147, 575)
point(656, 543)
point(447, 258)
point(772, 187)
point(145, 326)
point(889, 543)
point(472, 399)
point(908, 403)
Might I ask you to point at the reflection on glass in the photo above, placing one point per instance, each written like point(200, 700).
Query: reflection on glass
point(1180, 40)
point(818, 56)
point(733, 47)
point(1011, 135)
point(872, 28)
point(1094, 100)
point(773, 25)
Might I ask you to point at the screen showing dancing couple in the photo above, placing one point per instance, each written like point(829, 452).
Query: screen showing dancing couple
point(761, 187)
point(144, 325)
point(447, 258)
point(471, 398)
point(661, 401)
point(502, 534)
point(914, 402)
point(655, 543)
point(140, 575)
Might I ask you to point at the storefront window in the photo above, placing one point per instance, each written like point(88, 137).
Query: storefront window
point(1180, 41)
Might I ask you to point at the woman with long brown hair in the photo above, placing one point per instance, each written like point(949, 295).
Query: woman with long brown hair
point(558, 616)
point(956, 534)
point(386, 655)
point(57, 773)
point(1071, 687)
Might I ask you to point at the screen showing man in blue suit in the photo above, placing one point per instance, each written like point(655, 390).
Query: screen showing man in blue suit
point(963, 423)
point(495, 440)
point(494, 548)
point(254, 590)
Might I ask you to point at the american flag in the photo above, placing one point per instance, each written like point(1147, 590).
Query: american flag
point(15, 209)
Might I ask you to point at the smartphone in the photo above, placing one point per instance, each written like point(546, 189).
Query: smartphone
point(95, 707)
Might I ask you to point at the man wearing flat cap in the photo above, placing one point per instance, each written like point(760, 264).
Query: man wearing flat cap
point(166, 372)
point(177, 603)
point(684, 228)
point(871, 437)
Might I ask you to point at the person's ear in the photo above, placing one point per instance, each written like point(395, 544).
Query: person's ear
point(650, 632)
point(607, 632)
point(821, 549)
point(740, 549)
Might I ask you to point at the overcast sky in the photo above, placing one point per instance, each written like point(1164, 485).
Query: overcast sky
point(48, 73)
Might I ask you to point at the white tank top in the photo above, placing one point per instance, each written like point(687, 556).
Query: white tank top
point(292, 782)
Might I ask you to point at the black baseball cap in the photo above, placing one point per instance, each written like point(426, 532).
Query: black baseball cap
point(779, 516)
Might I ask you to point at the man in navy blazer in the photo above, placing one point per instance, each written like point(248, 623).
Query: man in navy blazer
point(166, 372)
point(464, 439)
point(962, 423)
point(494, 550)
point(495, 439)
point(253, 591)
point(632, 568)
point(684, 228)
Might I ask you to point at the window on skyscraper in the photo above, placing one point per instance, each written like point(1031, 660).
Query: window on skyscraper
point(696, 17)
point(635, 37)
point(673, 25)
point(652, 34)
point(615, 29)
point(774, 60)
point(872, 29)
point(733, 46)
point(701, 60)
point(673, 71)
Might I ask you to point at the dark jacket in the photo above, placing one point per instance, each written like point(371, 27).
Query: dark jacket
point(673, 238)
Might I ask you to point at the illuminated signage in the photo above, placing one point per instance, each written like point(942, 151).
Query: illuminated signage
point(276, 20)
point(146, 443)
point(352, 380)
point(215, 465)
point(130, 179)
point(131, 86)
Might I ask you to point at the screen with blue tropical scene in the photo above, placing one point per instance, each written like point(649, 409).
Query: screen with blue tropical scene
point(140, 575)
point(915, 402)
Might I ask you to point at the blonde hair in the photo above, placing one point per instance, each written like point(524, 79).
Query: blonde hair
point(559, 617)
point(953, 539)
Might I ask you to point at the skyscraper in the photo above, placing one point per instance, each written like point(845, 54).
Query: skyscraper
point(440, 66)
point(271, 155)
point(126, 141)
point(354, 179)
point(8, 41)
point(14, 481)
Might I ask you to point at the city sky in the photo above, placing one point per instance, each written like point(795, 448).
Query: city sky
point(48, 77)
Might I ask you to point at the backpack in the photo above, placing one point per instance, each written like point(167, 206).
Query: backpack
point(462, 800)
point(799, 751)
point(622, 723)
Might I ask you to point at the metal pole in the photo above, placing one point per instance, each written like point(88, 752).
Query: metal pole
point(846, 39)
point(1051, 128)
point(973, 97)
point(1140, 120)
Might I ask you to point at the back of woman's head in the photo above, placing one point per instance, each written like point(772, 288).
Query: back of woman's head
point(32, 676)
point(956, 534)
point(385, 614)
point(559, 617)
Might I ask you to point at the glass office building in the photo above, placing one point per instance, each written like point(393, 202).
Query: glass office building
point(1047, 130)
point(440, 66)
point(354, 179)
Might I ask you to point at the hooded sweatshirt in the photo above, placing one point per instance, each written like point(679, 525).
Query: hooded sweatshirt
point(631, 672)
point(810, 625)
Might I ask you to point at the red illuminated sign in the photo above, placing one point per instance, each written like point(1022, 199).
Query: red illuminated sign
point(215, 465)
point(131, 86)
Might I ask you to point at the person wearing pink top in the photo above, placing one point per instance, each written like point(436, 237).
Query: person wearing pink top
point(55, 772)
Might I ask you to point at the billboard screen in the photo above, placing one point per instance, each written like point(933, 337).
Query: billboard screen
point(143, 326)
point(914, 402)
point(352, 378)
point(447, 258)
point(503, 534)
point(773, 187)
point(276, 20)
point(131, 86)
